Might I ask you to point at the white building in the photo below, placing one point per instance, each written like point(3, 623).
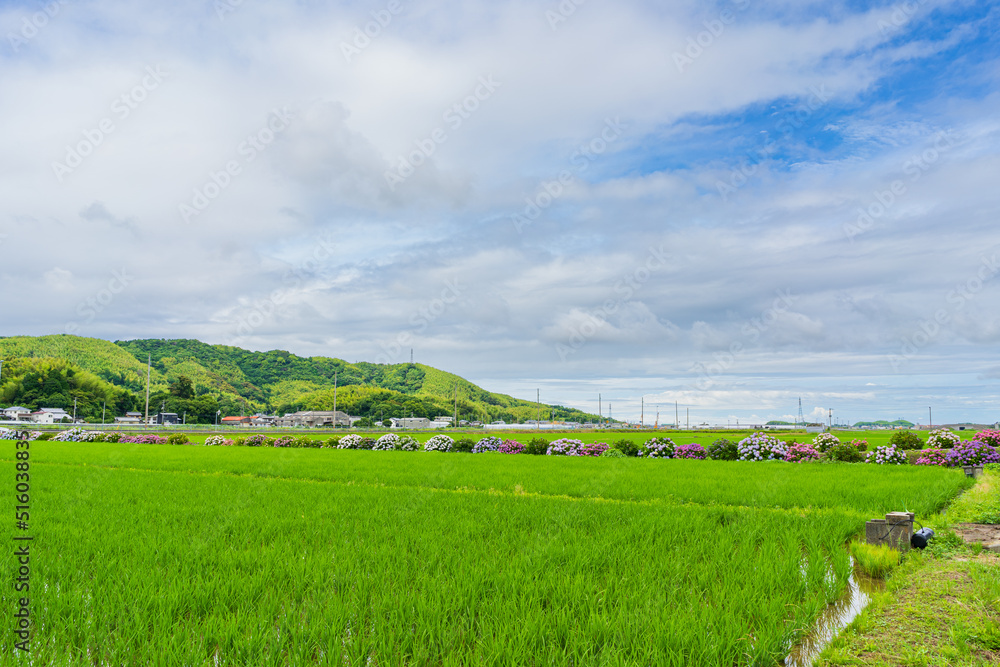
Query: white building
point(17, 413)
point(50, 416)
point(312, 418)
point(411, 422)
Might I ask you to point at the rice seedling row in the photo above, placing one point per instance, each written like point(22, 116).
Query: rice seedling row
point(869, 489)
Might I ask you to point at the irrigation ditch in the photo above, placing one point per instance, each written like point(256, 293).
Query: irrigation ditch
point(834, 618)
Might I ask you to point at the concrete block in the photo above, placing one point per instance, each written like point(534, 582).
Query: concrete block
point(900, 528)
point(875, 531)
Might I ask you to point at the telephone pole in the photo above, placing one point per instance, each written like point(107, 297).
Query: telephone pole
point(149, 365)
point(335, 400)
point(677, 416)
point(930, 418)
point(642, 410)
point(538, 408)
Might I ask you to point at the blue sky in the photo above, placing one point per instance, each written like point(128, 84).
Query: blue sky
point(730, 205)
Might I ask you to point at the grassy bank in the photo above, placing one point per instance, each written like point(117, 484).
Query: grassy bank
point(941, 607)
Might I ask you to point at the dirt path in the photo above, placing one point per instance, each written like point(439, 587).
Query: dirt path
point(980, 533)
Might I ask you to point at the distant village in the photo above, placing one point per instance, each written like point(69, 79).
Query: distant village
point(339, 419)
point(302, 419)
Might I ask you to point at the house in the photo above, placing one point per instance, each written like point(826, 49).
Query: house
point(50, 416)
point(237, 421)
point(263, 420)
point(166, 419)
point(17, 413)
point(444, 419)
point(314, 418)
point(411, 422)
point(130, 418)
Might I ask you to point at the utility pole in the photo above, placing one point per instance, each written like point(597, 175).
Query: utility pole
point(538, 408)
point(149, 365)
point(104, 412)
point(930, 418)
point(688, 427)
point(600, 410)
point(642, 410)
point(677, 416)
point(454, 419)
point(74, 410)
point(830, 419)
point(335, 400)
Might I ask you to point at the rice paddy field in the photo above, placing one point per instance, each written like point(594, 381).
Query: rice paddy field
point(187, 555)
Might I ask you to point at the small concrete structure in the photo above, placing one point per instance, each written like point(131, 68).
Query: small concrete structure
point(895, 530)
point(973, 471)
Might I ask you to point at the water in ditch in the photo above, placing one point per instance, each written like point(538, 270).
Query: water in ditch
point(834, 618)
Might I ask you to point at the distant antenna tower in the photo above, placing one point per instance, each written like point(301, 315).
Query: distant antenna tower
point(802, 419)
point(411, 355)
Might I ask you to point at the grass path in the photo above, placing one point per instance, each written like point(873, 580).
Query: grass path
point(941, 607)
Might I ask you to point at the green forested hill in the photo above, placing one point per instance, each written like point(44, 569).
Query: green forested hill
point(199, 379)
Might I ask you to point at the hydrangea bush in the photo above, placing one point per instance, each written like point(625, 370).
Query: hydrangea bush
point(594, 449)
point(723, 450)
point(613, 453)
point(801, 452)
point(351, 441)
point(407, 443)
point(932, 457)
point(439, 443)
point(658, 448)
point(942, 438)
point(973, 453)
point(387, 443)
point(215, 441)
point(283, 441)
point(255, 440)
point(564, 447)
point(860, 445)
point(488, 444)
point(692, 451)
point(887, 455)
point(824, 441)
point(762, 447)
point(77, 434)
point(149, 439)
point(511, 447)
point(990, 436)
point(14, 434)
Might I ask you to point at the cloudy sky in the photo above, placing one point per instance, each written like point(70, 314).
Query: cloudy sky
point(727, 204)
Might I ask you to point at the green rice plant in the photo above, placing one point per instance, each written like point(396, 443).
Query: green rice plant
point(154, 567)
point(875, 560)
point(873, 490)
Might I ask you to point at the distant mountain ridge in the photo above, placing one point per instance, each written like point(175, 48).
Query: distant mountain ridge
point(232, 380)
